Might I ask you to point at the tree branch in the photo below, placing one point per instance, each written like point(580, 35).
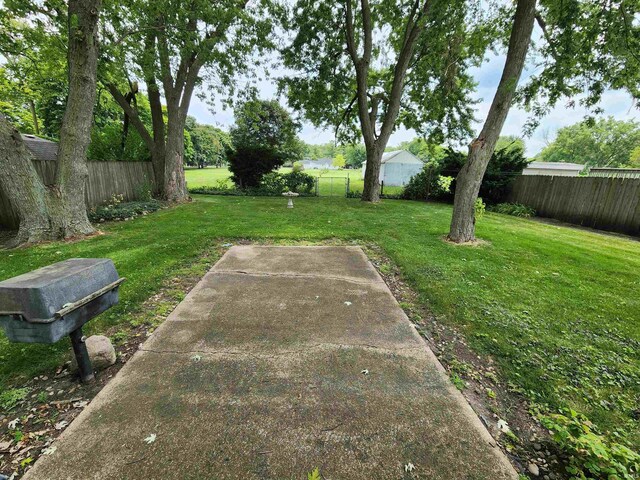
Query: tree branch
point(400, 72)
point(351, 45)
point(132, 114)
point(346, 112)
point(368, 31)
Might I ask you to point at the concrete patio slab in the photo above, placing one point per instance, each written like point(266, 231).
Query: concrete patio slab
point(253, 377)
point(258, 311)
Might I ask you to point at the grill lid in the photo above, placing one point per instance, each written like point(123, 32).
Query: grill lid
point(39, 294)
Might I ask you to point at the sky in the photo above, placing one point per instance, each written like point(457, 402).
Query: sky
point(614, 103)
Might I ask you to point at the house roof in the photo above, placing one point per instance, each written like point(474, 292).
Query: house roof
point(320, 161)
point(40, 148)
point(388, 156)
point(556, 166)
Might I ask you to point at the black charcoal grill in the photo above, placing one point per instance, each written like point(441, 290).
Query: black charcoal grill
point(49, 303)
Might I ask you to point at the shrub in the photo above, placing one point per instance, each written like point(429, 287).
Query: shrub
point(249, 164)
point(505, 164)
point(515, 209)
point(116, 210)
point(264, 138)
point(299, 182)
point(298, 166)
point(210, 190)
point(422, 184)
point(427, 183)
point(386, 196)
point(479, 208)
point(144, 191)
point(591, 456)
point(272, 184)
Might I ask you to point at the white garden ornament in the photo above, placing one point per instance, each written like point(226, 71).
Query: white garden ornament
point(290, 196)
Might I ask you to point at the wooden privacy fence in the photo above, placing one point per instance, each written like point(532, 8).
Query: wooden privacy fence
point(105, 179)
point(604, 203)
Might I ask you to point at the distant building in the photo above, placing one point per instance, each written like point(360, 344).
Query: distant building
point(615, 172)
point(555, 169)
point(397, 168)
point(40, 148)
point(320, 164)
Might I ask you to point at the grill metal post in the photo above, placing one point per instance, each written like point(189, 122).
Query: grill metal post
point(82, 356)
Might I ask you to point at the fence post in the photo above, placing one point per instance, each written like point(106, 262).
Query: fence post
point(317, 186)
point(347, 189)
point(381, 188)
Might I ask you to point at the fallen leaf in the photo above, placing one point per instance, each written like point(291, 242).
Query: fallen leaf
point(196, 358)
point(365, 372)
point(503, 426)
point(61, 425)
point(13, 424)
point(81, 404)
point(150, 439)
point(49, 450)
point(347, 303)
point(409, 467)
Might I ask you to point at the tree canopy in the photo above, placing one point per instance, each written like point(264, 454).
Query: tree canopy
point(363, 68)
point(263, 138)
point(587, 47)
point(436, 98)
point(210, 144)
point(604, 143)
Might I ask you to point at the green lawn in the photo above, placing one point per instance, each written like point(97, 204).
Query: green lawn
point(557, 307)
point(332, 183)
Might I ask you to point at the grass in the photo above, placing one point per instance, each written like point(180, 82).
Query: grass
point(332, 183)
point(558, 308)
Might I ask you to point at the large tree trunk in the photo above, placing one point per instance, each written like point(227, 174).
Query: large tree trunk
point(371, 191)
point(58, 211)
point(175, 187)
point(70, 211)
point(481, 149)
point(22, 186)
point(158, 152)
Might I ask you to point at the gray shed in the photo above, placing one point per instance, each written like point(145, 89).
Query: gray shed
point(397, 167)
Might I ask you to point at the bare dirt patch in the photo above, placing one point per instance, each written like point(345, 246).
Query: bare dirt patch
point(478, 242)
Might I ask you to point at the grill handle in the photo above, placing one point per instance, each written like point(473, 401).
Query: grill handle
point(75, 305)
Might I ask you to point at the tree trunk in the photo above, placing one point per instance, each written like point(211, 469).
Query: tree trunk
point(69, 205)
point(175, 187)
point(368, 104)
point(34, 116)
point(59, 210)
point(158, 153)
point(371, 191)
point(22, 186)
point(481, 149)
point(157, 115)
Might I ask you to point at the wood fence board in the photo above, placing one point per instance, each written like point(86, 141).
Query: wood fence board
point(606, 203)
point(105, 179)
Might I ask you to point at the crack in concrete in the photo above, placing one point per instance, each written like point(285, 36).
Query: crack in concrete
point(299, 275)
point(280, 352)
